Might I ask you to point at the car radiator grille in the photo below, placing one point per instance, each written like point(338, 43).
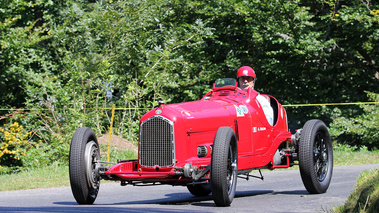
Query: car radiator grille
point(157, 142)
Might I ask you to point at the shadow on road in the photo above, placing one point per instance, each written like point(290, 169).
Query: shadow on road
point(295, 192)
point(182, 199)
point(89, 209)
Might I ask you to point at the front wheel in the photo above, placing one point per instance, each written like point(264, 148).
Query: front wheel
point(224, 167)
point(84, 154)
point(315, 157)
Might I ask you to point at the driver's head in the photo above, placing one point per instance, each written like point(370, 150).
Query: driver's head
point(246, 77)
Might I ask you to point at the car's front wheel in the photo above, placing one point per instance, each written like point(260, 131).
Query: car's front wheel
point(315, 157)
point(84, 154)
point(224, 167)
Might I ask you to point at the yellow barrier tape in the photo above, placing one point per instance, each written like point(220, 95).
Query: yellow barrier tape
point(329, 104)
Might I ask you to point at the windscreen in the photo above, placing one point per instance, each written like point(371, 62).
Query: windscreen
point(225, 82)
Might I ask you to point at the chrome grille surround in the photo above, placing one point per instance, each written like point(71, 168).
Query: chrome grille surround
point(157, 142)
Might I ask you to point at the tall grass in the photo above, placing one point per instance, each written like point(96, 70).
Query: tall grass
point(52, 176)
point(44, 177)
point(347, 155)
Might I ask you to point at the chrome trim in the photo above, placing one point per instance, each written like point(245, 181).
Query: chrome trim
point(151, 154)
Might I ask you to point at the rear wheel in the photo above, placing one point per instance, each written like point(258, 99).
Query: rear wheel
point(224, 166)
point(315, 157)
point(84, 154)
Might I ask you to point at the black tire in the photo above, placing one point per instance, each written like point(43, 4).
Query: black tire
point(315, 157)
point(224, 166)
point(84, 152)
point(200, 190)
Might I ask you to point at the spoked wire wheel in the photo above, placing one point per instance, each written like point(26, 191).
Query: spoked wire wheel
point(231, 170)
point(320, 157)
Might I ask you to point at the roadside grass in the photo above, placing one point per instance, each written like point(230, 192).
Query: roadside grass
point(344, 155)
point(365, 197)
point(115, 154)
point(56, 175)
point(45, 177)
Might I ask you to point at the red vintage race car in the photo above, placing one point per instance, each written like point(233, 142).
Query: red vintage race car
point(206, 145)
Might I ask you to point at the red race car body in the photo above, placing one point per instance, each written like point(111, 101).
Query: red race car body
point(206, 144)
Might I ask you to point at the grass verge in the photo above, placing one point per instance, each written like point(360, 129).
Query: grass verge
point(365, 197)
point(54, 175)
point(44, 177)
point(344, 155)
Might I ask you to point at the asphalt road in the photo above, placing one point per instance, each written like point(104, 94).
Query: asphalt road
point(281, 191)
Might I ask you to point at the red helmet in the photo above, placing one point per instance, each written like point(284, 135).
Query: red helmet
point(245, 71)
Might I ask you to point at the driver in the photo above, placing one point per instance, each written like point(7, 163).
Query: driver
point(246, 78)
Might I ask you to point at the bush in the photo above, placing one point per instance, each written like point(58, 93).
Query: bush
point(361, 130)
point(42, 156)
point(19, 149)
point(14, 145)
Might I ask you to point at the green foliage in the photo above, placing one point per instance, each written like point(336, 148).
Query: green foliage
point(58, 59)
point(141, 58)
point(14, 145)
point(361, 130)
point(25, 30)
point(40, 157)
point(117, 153)
point(297, 49)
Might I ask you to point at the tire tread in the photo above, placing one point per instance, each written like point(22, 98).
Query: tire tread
point(306, 164)
point(219, 167)
point(77, 172)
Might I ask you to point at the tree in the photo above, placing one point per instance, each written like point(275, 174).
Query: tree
point(24, 46)
point(300, 51)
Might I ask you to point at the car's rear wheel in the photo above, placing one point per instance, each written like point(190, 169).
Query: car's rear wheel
point(315, 157)
point(84, 154)
point(224, 166)
point(200, 189)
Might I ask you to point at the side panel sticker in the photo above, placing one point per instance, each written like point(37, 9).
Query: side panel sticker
point(259, 129)
point(239, 111)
